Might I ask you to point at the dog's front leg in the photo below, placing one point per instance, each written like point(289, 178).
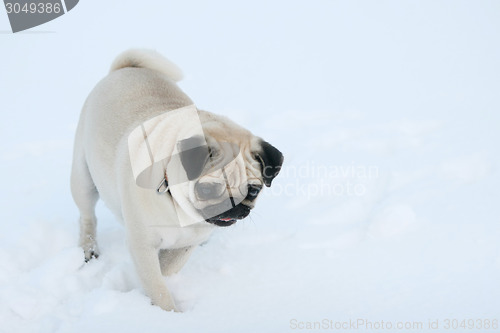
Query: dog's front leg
point(172, 260)
point(146, 261)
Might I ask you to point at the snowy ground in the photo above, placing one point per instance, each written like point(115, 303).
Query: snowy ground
point(387, 206)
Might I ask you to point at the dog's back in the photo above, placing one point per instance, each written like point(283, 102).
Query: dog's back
point(140, 85)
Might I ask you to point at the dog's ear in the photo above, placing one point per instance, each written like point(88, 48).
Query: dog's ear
point(270, 160)
point(194, 155)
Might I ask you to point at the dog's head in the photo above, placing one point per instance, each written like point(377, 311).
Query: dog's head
point(226, 169)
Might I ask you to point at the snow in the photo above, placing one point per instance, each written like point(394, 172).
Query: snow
point(387, 206)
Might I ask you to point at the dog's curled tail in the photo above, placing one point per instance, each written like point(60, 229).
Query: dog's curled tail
point(151, 59)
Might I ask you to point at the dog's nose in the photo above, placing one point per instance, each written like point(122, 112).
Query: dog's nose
point(207, 191)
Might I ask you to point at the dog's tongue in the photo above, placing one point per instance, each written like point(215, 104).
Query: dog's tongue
point(226, 219)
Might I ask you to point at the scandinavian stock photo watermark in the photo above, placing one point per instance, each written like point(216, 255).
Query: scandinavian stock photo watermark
point(312, 179)
point(363, 324)
point(178, 166)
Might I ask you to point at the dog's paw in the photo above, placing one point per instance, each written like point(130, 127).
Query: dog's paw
point(164, 301)
point(91, 254)
point(90, 251)
point(167, 307)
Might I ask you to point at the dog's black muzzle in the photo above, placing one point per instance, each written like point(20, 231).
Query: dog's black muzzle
point(228, 217)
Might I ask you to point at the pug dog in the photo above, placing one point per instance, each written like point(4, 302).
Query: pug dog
point(169, 171)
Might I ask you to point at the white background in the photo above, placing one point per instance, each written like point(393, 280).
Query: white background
point(408, 88)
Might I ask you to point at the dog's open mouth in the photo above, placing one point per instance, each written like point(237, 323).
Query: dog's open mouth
point(222, 222)
point(227, 218)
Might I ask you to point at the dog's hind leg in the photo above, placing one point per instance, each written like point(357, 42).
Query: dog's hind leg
point(85, 196)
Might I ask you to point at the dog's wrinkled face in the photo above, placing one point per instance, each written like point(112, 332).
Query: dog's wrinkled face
point(227, 170)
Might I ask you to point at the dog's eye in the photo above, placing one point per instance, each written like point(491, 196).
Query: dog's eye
point(213, 152)
point(253, 193)
point(253, 190)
